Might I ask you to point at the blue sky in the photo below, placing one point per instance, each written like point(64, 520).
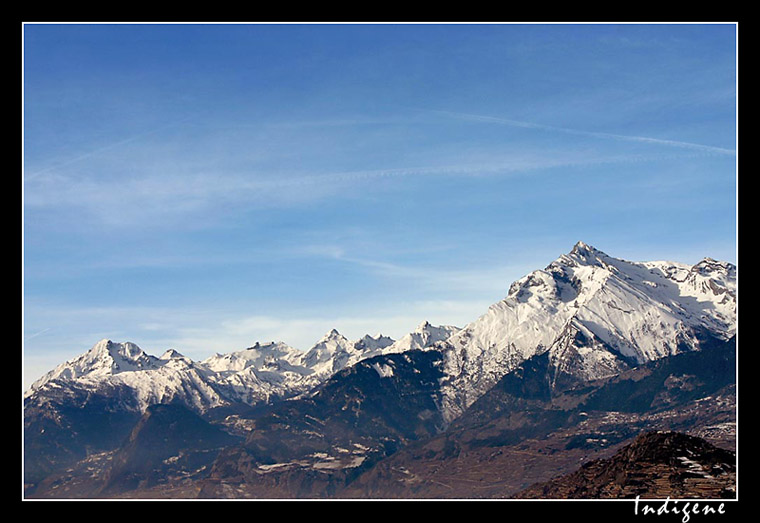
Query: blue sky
point(202, 187)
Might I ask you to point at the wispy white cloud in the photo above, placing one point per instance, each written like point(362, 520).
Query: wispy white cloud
point(169, 197)
point(593, 134)
point(115, 144)
point(35, 334)
point(490, 280)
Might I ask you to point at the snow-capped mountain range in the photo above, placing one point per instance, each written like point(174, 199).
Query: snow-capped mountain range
point(595, 315)
point(256, 374)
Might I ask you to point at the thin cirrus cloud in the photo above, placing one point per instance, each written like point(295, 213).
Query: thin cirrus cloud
point(190, 184)
point(474, 281)
point(151, 190)
point(592, 134)
point(146, 196)
point(99, 151)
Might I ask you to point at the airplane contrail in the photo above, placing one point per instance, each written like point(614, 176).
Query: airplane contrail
point(99, 150)
point(43, 331)
point(595, 134)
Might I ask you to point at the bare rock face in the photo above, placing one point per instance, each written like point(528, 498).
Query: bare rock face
point(168, 440)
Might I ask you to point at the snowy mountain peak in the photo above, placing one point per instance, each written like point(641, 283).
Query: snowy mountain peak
point(171, 354)
point(111, 358)
point(272, 347)
point(723, 272)
point(368, 342)
point(333, 334)
point(104, 359)
point(329, 353)
point(583, 254)
point(625, 311)
point(422, 326)
point(582, 247)
point(425, 336)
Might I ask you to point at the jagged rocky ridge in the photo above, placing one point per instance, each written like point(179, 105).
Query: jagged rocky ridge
point(587, 315)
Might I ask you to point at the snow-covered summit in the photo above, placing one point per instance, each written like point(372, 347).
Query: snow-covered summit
point(170, 354)
point(626, 312)
point(376, 342)
point(424, 336)
point(110, 365)
point(105, 358)
point(257, 356)
point(329, 353)
point(334, 351)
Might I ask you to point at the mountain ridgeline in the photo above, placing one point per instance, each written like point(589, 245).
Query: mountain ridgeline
point(576, 361)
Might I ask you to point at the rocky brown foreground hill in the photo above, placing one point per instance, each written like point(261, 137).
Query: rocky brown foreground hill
point(656, 465)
